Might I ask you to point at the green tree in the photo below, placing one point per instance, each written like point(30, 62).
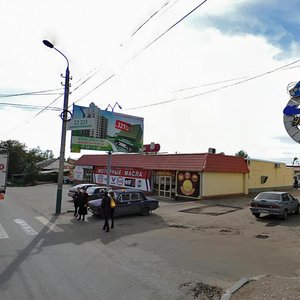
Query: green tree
point(242, 153)
point(23, 161)
point(17, 156)
point(30, 173)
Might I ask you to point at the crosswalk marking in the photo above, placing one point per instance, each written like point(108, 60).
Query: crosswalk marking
point(50, 225)
point(25, 227)
point(3, 234)
point(28, 229)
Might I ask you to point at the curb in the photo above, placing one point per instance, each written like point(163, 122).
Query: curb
point(238, 285)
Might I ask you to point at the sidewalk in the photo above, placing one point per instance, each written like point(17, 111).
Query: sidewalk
point(268, 288)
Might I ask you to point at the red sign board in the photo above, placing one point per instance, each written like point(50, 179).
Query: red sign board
point(151, 147)
point(121, 125)
point(123, 172)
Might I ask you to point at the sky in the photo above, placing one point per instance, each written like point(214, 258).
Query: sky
point(212, 77)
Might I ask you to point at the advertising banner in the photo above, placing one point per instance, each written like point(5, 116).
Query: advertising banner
point(124, 178)
point(105, 131)
point(188, 184)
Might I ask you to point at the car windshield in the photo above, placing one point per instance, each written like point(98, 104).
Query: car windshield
point(90, 189)
point(268, 196)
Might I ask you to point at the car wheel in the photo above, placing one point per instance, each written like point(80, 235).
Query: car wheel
point(297, 210)
point(145, 211)
point(257, 215)
point(285, 214)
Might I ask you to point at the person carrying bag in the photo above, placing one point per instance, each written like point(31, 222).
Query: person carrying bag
point(113, 204)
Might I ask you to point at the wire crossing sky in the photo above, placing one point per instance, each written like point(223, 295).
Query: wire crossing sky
point(201, 73)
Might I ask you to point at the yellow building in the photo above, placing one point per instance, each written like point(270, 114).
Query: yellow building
point(268, 175)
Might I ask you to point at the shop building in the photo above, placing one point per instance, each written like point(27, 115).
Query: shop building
point(198, 176)
point(268, 175)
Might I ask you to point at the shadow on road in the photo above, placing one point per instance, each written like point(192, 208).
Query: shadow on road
point(79, 232)
point(293, 220)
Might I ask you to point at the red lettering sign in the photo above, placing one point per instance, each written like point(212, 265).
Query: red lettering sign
point(123, 125)
point(124, 172)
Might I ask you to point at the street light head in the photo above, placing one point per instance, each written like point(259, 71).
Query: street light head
point(48, 44)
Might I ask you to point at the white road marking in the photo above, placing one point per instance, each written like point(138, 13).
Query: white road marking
point(50, 225)
point(3, 234)
point(25, 227)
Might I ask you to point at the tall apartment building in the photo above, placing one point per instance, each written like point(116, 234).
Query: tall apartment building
point(101, 123)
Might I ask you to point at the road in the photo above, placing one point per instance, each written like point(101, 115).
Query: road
point(164, 256)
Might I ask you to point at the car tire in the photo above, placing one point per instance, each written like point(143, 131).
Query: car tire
point(297, 211)
point(257, 215)
point(145, 211)
point(285, 214)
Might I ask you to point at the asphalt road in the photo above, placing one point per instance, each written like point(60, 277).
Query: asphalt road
point(168, 255)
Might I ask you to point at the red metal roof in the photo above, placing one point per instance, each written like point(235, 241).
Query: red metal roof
point(206, 162)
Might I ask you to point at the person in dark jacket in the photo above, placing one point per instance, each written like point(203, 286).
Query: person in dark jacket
point(76, 198)
point(295, 183)
point(82, 205)
point(105, 205)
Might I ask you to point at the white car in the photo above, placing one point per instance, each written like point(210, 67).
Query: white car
point(73, 189)
point(96, 192)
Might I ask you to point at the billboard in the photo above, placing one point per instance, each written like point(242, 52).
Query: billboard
point(96, 129)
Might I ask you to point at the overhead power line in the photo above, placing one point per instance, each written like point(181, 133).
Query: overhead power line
point(114, 74)
point(151, 16)
point(46, 107)
point(171, 27)
point(217, 89)
point(147, 46)
point(28, 106)
point(37, 93)
point(105, 80)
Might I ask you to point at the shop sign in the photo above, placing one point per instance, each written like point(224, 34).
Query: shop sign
point(124, 178)
point(148, 148)
point(188, 184)
point(164, 173)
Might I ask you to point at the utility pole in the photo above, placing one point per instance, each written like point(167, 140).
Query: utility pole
point(65, 119)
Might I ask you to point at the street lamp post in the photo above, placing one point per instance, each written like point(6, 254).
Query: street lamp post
point(64, 117)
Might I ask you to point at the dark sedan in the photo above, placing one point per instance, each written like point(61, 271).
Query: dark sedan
point(274, 203)
point(129, 202)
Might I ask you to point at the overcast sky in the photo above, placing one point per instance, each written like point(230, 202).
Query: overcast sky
point(197, 85)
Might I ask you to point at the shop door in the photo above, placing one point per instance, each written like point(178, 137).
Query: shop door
point(165, 184)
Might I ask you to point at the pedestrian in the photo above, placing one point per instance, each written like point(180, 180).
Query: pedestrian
point(112, 207)
point(82, 205)
point(105, 205)
point(76, 197)
point(296, 183)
